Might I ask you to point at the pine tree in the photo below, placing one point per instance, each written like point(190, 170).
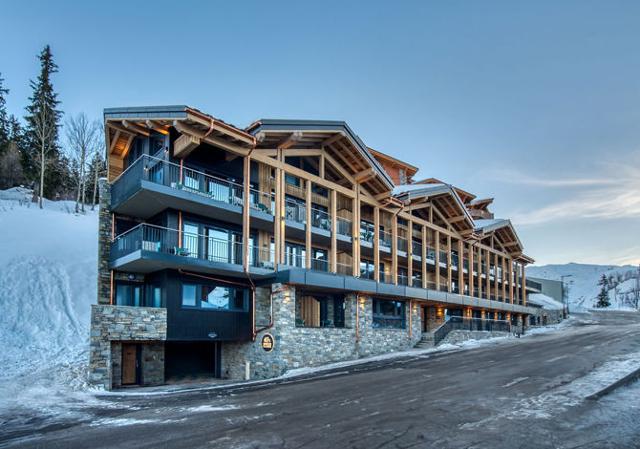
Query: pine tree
point(602, 300)
point(42, 160)
point(4, 118)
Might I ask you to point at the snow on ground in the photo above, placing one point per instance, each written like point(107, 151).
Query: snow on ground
point(583, 282)
point(48, 269)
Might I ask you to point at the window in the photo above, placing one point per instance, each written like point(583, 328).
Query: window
point(189, 240)
point(295, 255)
point(366, 231)
point(319, 260)
point(188, 295)
point(292, 180)
point(388, 314)
point(153, 296)
point(218, 297)
point(128, 294)
point(367, 269)
point(214, 297)
point(319, 311)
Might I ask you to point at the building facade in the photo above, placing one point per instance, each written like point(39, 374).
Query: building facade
point(243, 253)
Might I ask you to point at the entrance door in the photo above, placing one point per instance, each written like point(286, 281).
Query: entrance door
point(129, 364)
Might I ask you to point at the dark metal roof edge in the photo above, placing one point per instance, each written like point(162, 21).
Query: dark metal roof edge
point(146, 111)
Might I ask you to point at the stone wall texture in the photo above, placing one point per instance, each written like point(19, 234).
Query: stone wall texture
point(459, 336)
point(297, 347)
point(111, 325)
point(104, 242)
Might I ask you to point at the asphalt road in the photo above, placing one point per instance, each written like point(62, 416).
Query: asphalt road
point(520, 393)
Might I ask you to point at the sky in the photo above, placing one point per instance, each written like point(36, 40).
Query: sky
point(536, 104)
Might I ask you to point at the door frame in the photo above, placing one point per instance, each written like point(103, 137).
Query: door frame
point(138, 364)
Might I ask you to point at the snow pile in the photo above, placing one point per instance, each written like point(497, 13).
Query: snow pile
point(48, 270)
point(583, 282)
point(544, 301)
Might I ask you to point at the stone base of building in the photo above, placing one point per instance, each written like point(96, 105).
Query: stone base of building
point(459, 336)
point(113, 326)
point(297, 347)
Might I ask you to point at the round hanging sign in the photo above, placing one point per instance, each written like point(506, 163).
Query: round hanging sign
point(267, 342)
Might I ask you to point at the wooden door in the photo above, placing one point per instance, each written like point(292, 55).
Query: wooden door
point(129, 364)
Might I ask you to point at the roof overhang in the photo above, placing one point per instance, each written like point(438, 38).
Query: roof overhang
point(122, 124)
point(335, 137)
point(424, 193)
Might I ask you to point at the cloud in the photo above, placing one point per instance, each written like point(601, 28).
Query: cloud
point(613, 195)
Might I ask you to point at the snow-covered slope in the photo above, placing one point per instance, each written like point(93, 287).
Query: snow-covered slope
point(48, 270)
point(583, 282)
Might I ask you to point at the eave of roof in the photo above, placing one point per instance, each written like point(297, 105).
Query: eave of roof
point(411, 191)
point(322, 125)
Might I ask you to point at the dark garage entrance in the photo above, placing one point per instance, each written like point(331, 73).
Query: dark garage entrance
point(191, 360)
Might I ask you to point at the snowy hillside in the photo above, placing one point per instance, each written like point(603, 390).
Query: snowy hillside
point(583, 283)
point(48, 270)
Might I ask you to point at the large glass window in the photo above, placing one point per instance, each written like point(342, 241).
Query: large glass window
point(189, 240)
point(295, 255)
point(388, 314)
point(319, 311)
point(128, 294)
point(218, 297)
point(367, 269)
point(189, 295)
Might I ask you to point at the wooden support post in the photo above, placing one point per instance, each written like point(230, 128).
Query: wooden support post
point(496, 291)
point(246, 226)
point(276, 220)
point(516, 282)
point(394, 249)
point(504, 278)
point(479, 272)
point(488, 278)
point(410, 254)
point(524, 286)
point(460, 267)
point(376, 243)
point(283, 210)
point(437, 249)
point(449, 265)
point(470, 271)
point(333, 257)
point(321, 163)
point(355, 231)
point(424, 257)
point(511, 298)
point(307, 229)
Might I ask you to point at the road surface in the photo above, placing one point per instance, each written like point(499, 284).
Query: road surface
point(516, 393)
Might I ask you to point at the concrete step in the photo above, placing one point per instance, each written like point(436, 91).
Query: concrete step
point(426, 341)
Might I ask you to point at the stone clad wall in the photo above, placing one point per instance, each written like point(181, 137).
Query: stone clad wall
point(297, 347)
point(111, 325)
point(104, 242)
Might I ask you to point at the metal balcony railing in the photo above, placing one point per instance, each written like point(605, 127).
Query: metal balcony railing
point(385, 239)
point(169, 174)
point(320, 219)
point(158, 239)
point(343, 226)
point(416, 248)
point(402, 244)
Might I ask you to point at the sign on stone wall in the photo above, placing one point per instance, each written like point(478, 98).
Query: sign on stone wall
point(267, 342)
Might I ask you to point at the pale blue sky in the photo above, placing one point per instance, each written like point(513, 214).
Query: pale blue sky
point(534, 103)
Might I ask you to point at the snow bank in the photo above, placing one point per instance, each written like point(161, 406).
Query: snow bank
point(544, 301)
point(583, 282)
point(48, 271)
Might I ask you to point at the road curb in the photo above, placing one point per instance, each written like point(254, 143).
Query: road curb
point(626, 380)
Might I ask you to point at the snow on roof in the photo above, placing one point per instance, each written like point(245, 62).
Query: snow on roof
point(487, 223)
point(544, 301)
point(406, 188)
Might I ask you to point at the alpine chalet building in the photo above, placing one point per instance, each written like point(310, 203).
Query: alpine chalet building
point(242, 253)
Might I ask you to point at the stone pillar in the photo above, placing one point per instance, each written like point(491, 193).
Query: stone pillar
point(105, 223)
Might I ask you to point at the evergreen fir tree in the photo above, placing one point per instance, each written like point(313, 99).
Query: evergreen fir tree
point(602, 300)
point(42, 158)
point(4, 118)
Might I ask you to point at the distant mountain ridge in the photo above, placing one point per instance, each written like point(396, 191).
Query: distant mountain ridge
point(583, 283)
